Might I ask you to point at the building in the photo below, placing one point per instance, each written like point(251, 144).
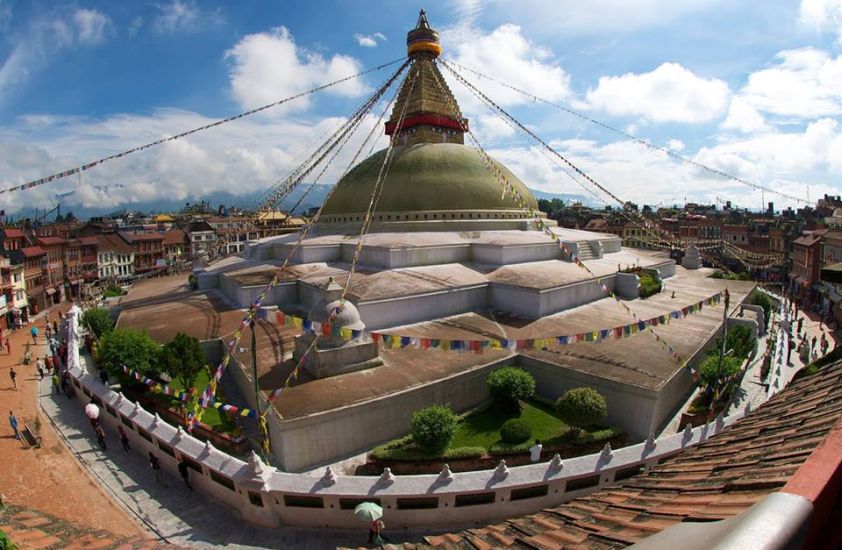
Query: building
point(202, 239)
point(115, 258)
point(806, 265)
point(148, 248)
point(232, 231)
point(34, 258)
point(176, 246)
point(53, 268)
point(80, 264)
point(14, 289)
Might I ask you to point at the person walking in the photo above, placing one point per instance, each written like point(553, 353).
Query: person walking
point(103, 376)
point(184, 470)
point(156, 467)
point(124, 439)
point(100, 437)
point(13, 375)
point(39, 366)
point(824, 344)
point(13, 422)
point(34, 332)
point(56, 383)
point(8, 346)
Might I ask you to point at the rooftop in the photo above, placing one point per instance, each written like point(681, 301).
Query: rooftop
point(143, 236)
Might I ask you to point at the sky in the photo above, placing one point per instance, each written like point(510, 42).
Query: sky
point(750, 88)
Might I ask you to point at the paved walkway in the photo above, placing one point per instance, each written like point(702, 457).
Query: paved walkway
point(177, 514)
point(47, 479)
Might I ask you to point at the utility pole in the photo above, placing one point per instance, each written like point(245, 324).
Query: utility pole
point(254, 373)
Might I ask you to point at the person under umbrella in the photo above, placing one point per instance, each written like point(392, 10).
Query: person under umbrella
point(371, 512)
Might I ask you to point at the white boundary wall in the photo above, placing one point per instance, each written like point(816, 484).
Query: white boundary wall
point(268, 497)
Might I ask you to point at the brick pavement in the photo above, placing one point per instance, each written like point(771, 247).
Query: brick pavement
point(47, 479)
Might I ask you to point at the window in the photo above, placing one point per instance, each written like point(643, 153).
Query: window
point(166, 448)
point(222, 480)
point(255, 498)
point(303, 502)
point(474, 499)
point(529, 492)
point(424, 503)
point(582, 483)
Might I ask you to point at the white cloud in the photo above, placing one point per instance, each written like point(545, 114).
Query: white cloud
point(505, 53)
point(370, 40)
point(91, 25)
point(804, 84)
point(743, 116)
point(242, 158)
point(184, 16)
point(670, 93)
point(270, 65)
point(675, 145)
point(43, 38)
point(822, 15)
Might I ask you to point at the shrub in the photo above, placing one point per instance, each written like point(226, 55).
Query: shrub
point(503, 448)
point(509, 385)
point(582, 407)
point(515, 430)
point(192, 281)
point(6, 543)
point(739, 339)
point(433, 427)
point(98, 321)
point(761, 299)
point(130, 347)
point(113, 290)
point(649, 283)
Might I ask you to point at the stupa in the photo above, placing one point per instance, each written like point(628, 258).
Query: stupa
point(450, 256)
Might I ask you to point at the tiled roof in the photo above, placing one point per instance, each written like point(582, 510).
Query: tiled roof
point(33, 251)
point(50, 241)
point(112, 241)
point(717, 479)
point(13, 233)
point(176, 236)
point(146, 236)
point(88, 241)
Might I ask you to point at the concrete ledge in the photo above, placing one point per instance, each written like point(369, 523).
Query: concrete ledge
point(268, 497)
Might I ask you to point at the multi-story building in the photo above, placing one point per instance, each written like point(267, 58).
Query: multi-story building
point(232, 230)
point(53, 268)
point(115, 258)
point(148, 248)
point(831, 247)
point(806, 264)
point(80, 264)
point(33, 259)
point(202, 239)
point(176, 246)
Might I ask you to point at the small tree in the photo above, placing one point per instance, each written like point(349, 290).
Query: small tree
point(509, 385)
point(433, 427)
point(98, 321)
point(182, 359)
point(711, 373)
point(130, 347)
point(582, 407)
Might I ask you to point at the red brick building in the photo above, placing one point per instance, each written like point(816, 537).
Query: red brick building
point(34, 258)
point(148, 249)
point(806, 263)
point(53, 268)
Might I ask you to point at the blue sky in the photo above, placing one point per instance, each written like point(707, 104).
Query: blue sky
point(752, 88)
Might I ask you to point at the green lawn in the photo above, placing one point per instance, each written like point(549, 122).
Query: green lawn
point(212, 417)
point(482, 429)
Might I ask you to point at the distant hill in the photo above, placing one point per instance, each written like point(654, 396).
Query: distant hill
point(314, 196)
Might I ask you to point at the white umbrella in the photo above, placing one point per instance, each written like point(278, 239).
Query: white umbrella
point(91, 411)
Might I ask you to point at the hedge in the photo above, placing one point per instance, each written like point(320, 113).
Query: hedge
point(414, 453)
